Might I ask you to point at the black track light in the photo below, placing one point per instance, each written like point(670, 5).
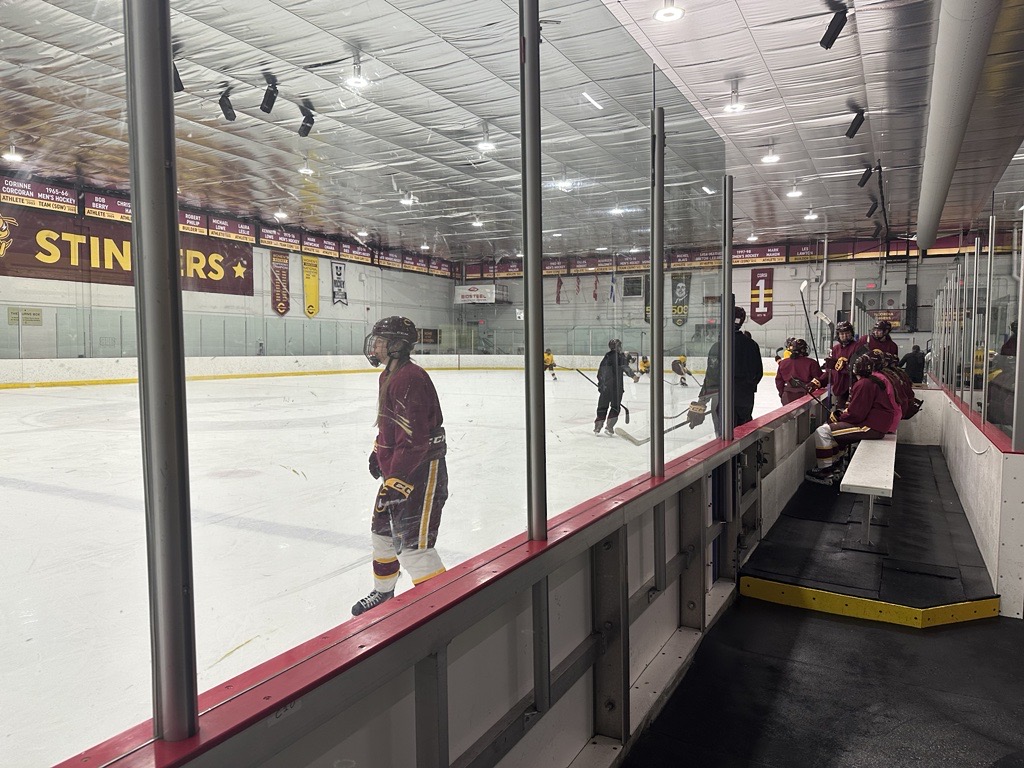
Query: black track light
point(834, 28)
point(226, 108)
point(865, 176)
point(307, 124)
point(178, 85)
point(269, 97)
point(872, 209)
point(878, 231)
point(858, 121)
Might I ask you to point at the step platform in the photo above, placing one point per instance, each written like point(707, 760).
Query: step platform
point(925, 571)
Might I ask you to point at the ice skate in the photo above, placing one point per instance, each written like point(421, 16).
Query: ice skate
point(821, 476)
point(609, 431)
point(372, 600)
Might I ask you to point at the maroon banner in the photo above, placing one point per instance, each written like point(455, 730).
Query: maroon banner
point(633, 262)
point(232, 229)
point(38, 194)
point(193, 222)
point(509, 269)
point(554, 266)
point(280, 295)
point(320, 246)
point(392, 260)
point(277, 237)
point(48, 246)
point(356, 253)
point(758, 254)
point(108, 207)
point(761, 290)
point(580, 265)
point(414, 262)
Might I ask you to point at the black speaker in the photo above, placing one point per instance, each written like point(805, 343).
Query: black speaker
point(911, 308)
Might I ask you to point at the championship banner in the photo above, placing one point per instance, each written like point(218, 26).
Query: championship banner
point(338, 293)
point(279, 289)
point(680, 298)
point(311, 285)
point(761, 281)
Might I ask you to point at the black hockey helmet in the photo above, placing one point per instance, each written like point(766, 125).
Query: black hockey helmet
point(615, 345)
point(799, 348)
point(739, 317)
point(842, 328)
point(547, 351)
point(881, 329)
point(865, 365)
point(398, 332)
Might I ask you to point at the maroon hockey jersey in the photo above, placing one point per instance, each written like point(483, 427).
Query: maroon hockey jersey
point(409, 421)
point(804, 369)
point(837, 367)
point(870, 406)
point(886, 344)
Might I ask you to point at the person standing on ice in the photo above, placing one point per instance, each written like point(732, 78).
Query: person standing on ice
point(614, 365)
point(408, 458)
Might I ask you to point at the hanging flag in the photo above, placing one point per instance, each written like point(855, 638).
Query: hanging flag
point(680, 298)
point(280, 294)
point(762, 283)
point(611, 293)
point(595, 287)
point(577, 285)
point(558, 291)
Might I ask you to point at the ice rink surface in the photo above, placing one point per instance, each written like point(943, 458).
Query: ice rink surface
point(280, 502)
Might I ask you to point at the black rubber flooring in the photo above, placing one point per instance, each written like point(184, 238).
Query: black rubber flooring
point(779, 687)
point(929, 557)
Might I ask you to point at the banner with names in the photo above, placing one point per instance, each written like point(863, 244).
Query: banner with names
point(311, 285)
point(339, 294)
point(38, 194)
point(280, 295)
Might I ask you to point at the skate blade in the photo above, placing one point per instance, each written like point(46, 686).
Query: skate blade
point(819, 480)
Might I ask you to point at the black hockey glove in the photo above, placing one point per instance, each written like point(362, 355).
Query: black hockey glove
point(697, 413)
point(392, 493)
point(374, 466)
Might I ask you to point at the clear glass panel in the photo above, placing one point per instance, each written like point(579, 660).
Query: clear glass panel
point(1000, 335)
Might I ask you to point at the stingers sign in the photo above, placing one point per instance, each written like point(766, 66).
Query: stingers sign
point(53, 247)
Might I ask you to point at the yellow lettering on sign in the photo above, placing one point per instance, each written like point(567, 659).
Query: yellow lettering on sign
point(76, 242)
point(122, 255)
point(195, 264)
point(216, 264)
point(48, 252)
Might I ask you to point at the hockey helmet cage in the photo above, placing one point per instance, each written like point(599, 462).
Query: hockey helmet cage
point(799, 347)
point(844, 327)
point(864, 365)
point(398, 332)
point(739, 317)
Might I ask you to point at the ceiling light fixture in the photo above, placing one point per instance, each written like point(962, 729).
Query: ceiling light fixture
point(178, 85)
point(307, 123)
point(770, 156)
point(305, 170)
point(865, 176)
point(634, 249)
point(281, 215)
point(408, 199)
point(225, 107)
point(708, 190)
point(601, 248)
point(872, 209)
point(751, 238)
point(12, 155)
point(834, 28)
point(477, 223)
point(356, 80)
point(811, 215)
point(424, 247)
point(858, 121)
point(362, 233)
point(794, 192)
point(559, 234)
point(269, 97)
point(734, 105)
point(617, 211)
point(485, 144)
point(590, 98)
point(668, 12)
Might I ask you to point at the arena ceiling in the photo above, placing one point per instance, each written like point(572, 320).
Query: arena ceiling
point(398, 157)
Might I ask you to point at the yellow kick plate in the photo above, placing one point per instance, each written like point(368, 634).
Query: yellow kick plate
point(864, 608)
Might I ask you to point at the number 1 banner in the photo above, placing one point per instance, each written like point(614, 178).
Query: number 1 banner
point(761, 281)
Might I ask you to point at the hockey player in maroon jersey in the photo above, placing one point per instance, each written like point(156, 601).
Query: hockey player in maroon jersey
point(878, 339)
point(408, 458)
point(796, 373)
point(837, 366)
point(869, 416)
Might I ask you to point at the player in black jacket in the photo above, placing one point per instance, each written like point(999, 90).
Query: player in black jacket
point(746, 375)
point(614, 365)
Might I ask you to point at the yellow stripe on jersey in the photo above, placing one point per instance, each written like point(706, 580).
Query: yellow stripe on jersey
point(849, 430)
point(428, 504)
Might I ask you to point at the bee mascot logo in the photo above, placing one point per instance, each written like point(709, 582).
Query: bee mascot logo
point(5, 234)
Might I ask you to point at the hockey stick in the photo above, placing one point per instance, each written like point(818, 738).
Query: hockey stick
point(644, 440)
point(822, 317)
point(623, 408)
point(810, 330)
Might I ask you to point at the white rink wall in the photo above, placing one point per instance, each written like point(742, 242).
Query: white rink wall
point(106, 370)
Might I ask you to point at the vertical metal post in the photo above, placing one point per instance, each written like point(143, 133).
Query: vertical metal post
point(727, 339)
point(986, 321)
point(660, 563)
point(973, 346)
point(1018, 390)
point(147, 33)
point(533, 281)
point(611, 621)
point(954, 361)
point(657, 292)
point(853, 307)
point(966, 362)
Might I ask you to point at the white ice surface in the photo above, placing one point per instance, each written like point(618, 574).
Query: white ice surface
point(280, 501)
